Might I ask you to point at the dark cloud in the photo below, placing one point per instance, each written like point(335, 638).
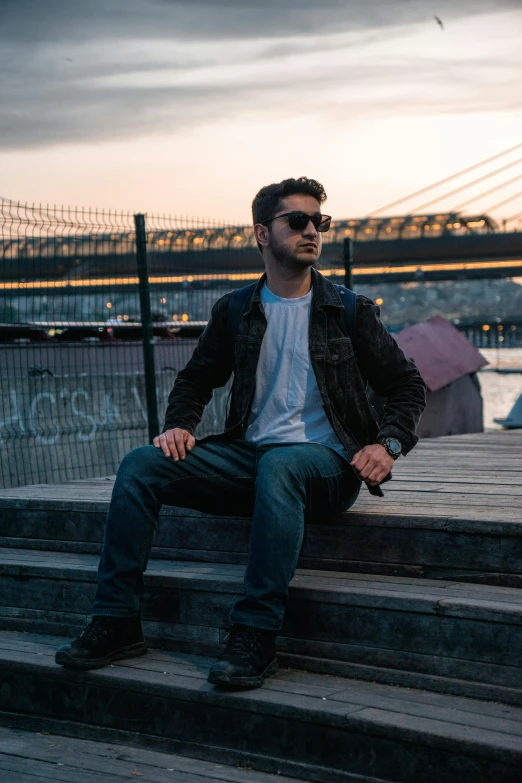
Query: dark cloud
point(34, 21)
point(76, 69)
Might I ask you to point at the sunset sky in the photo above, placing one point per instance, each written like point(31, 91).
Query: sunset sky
point(190, 107)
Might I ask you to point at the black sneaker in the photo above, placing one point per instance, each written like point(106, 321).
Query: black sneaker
point(248, 658)
point(105, 639)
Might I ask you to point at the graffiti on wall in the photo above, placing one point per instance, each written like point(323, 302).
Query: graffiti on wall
point(48, 409)
point(42, 415)
point(46, 415)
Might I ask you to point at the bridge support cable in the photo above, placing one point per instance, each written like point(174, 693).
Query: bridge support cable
point(486, 193)
point(506, 201)
point(467, 185)
point(444, 181)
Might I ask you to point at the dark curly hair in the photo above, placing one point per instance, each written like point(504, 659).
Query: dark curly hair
point(269, 198)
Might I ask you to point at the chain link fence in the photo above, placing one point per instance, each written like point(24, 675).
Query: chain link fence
point(99, 311)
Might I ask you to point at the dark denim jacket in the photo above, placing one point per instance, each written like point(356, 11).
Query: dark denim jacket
point(342, 371)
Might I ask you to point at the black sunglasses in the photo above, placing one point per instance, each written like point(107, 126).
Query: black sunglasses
point(298, 221)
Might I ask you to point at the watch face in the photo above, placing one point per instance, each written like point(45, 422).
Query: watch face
point(394, 446)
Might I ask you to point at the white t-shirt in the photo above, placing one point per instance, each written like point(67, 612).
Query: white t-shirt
point(287, 405)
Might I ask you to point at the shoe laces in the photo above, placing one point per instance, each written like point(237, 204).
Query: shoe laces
point(96, 629)
point(244, 639)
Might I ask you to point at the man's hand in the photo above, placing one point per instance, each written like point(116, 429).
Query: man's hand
point(175, 443)
point(373, 463)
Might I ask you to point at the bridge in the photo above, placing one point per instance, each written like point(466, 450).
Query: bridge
point(49, 249)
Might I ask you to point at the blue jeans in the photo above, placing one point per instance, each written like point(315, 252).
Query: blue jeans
point(279, 486)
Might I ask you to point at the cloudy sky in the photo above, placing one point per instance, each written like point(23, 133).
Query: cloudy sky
point(190, 107)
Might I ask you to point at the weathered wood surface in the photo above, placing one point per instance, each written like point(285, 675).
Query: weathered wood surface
point(453, 511)
point(41, 757)
point(427, 628)
point(336, 728)
point(466, 476)
point(441, 518)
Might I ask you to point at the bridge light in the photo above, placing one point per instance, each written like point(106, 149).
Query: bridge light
point(109, 305)
point(486, 328)
point(163, 300)
point(184, 317)
point(379, 301)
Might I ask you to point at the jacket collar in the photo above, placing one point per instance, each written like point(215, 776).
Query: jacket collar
point(324, 292)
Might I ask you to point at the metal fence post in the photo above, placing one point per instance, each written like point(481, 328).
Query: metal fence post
point(348, 262)
point(146, 321)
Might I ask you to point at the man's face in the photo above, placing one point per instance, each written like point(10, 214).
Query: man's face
point(294, 248)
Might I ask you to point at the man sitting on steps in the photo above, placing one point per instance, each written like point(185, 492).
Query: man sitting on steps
point(299, 439)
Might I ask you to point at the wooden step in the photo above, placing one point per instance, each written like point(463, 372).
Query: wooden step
point(471, 544)
point(446, 636)
point(43, 757)
point(451, 512)
point(315, 727)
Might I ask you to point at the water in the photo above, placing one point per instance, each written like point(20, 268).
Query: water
point(500, 391)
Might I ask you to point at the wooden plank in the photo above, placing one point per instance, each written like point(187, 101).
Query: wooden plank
point(225, 577)
point(163, 661)
point(462, 488)
point(40, 756)
point(379, 672)
point(451, 628)
point(131, 687)
point(191, 672)
point(219, 756)
point(28, 772)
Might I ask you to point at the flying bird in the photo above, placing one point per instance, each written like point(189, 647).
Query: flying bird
point(439, 22)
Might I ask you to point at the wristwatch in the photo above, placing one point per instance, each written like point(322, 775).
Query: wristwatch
point(392, 446)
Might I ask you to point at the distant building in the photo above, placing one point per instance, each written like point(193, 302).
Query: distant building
point(448, 362)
